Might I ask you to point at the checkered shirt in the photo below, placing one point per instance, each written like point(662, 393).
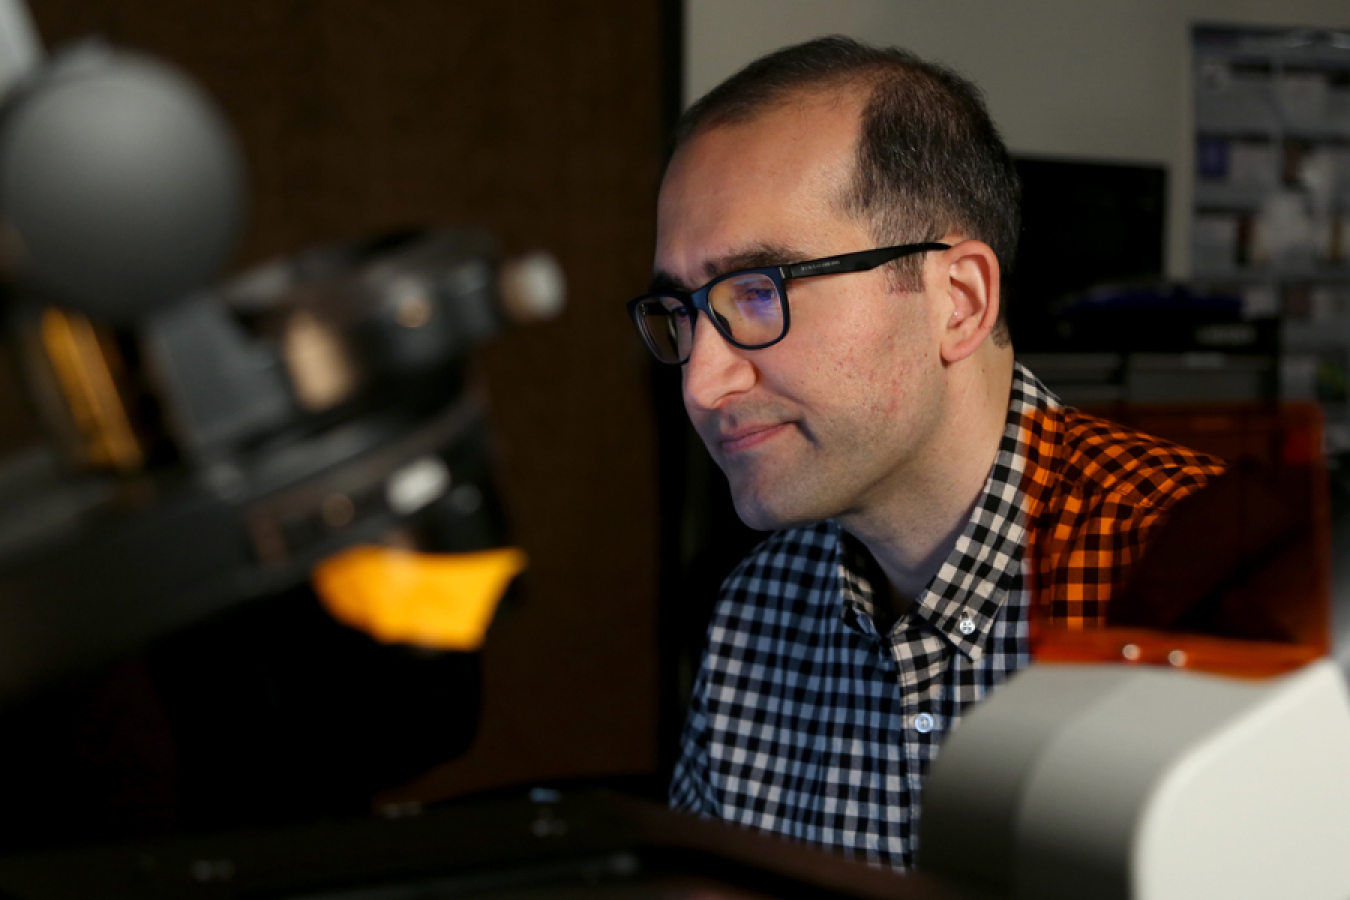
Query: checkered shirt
point(806, 722)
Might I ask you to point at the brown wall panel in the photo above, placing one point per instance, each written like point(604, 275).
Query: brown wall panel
point(541, 121)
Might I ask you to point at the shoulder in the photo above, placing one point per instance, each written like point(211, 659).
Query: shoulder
point(1109, 460)
point(789, 577)
point(786, 555)
point(1114, 486)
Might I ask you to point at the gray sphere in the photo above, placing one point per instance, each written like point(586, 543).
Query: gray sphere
point(121, 185)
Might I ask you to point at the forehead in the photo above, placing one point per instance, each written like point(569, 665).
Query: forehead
point(773, 181)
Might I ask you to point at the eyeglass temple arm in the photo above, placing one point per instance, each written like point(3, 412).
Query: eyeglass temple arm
point(857, 262)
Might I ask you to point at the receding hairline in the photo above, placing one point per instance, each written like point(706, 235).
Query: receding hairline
point(840, 89)
point(858, 86)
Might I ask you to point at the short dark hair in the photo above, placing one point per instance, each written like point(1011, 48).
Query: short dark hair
point(930, 160)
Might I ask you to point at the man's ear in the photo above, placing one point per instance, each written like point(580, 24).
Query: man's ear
point(968, 292)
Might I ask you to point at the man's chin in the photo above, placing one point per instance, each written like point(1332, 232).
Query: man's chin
point(762, 516)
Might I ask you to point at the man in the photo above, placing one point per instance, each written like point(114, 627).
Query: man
point(925, 489)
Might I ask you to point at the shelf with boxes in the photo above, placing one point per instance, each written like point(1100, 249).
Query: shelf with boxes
point(1272, 197)
point(1272, 150)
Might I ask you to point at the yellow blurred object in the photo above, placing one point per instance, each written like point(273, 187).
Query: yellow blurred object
point(443, 601)
point(87, 367)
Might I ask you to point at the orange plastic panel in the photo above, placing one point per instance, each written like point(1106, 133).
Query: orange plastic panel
point(1265, 598)
point(443, 601)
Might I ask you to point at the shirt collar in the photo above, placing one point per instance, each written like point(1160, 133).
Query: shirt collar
point(963, 599)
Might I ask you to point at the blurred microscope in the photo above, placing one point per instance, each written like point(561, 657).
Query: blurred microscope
point(186, 459)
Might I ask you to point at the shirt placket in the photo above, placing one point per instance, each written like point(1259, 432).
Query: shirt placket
point(921, 656)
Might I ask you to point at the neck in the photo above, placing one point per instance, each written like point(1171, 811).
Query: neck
point(911, 530)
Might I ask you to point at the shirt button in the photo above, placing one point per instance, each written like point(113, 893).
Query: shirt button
point(923, 723)
point(967, 625)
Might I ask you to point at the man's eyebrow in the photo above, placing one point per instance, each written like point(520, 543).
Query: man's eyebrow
point(759, 257)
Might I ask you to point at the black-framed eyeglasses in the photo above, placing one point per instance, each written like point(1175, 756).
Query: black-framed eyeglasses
point(748, 307)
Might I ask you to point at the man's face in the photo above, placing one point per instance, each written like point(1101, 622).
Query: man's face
point(838, 415)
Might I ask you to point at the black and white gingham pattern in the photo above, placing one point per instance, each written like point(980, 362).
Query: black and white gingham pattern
point(808, 723)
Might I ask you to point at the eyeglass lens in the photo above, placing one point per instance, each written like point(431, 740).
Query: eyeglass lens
point(747, 306)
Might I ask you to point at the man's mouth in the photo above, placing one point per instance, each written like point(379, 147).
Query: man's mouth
point(750, 437)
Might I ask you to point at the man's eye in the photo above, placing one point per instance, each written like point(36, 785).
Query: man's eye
point(756, 300)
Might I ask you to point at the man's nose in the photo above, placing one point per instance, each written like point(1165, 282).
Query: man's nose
point(715, 370)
